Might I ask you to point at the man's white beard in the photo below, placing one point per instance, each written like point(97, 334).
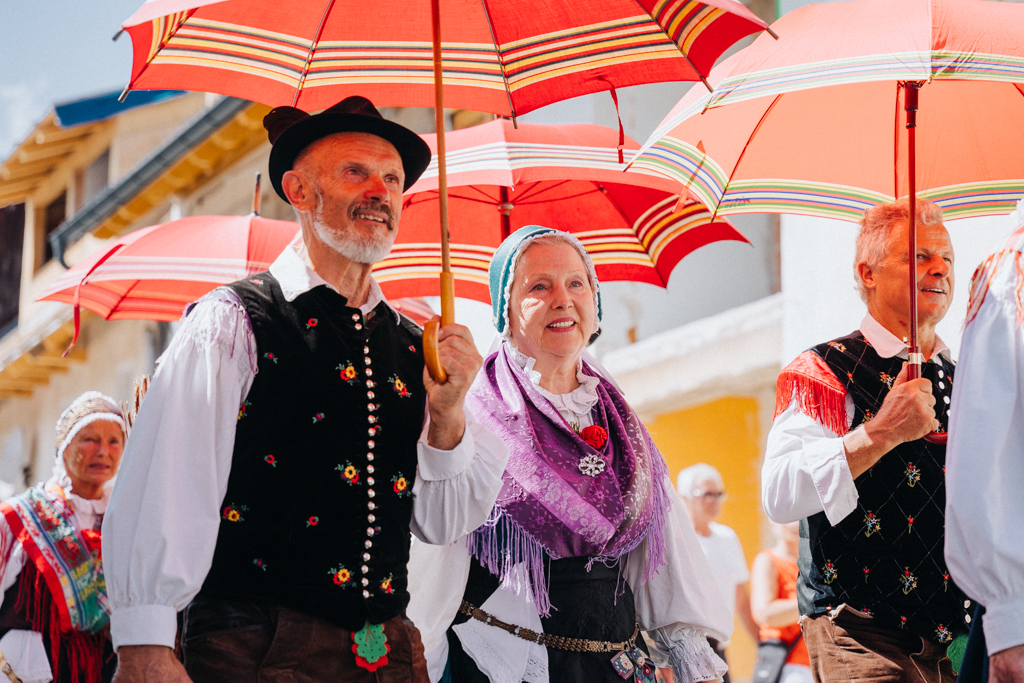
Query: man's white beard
point(361, 250)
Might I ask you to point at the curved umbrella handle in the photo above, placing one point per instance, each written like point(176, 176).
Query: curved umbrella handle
point(431, 353)
point(78, 295)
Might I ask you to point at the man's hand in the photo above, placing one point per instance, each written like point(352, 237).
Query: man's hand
point(461, 361)
point(907, 414)
point(149, 664)
point(1007, 666)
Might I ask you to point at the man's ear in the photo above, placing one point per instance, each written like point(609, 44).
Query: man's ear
point(867, 274)
point(299, 190)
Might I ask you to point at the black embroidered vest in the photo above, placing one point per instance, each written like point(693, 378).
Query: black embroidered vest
point(319, 499)
point(886, 557)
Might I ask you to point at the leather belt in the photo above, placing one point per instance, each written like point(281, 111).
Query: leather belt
point(547, 639)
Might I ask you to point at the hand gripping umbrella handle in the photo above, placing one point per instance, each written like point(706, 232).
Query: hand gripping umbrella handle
point(913, 372)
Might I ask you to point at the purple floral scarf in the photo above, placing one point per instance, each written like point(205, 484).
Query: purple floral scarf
point(546, 505)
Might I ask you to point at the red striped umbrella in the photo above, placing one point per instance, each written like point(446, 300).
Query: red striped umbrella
point(563, 176)
point(507, 57)
point(153, 273)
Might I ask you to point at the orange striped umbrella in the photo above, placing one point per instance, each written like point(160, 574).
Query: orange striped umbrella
point(563, 176)
point(507, 57)
point(153, 273)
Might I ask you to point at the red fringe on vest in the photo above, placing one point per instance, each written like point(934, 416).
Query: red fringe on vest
point(82, 652)
point(819, 395)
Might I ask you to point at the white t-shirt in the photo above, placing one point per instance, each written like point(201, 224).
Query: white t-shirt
point(725, 555)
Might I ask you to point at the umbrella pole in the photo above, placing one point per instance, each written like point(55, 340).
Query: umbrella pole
point(430, 331)
point(505, 209)
point(914, 356)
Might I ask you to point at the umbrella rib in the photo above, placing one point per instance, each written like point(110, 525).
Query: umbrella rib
point(538, 189)
point(312, 49)
point(743, 152)
point(681, 51)
point(501, 63)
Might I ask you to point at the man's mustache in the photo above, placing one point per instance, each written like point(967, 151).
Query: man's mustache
point(377, 207)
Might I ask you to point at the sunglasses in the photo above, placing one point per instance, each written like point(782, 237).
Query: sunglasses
point(709, 496)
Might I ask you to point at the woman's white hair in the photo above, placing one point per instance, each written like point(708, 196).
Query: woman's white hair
point(688, 478)
point(875, 236)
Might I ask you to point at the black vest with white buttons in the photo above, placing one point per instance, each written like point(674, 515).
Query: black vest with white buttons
point(319, 499)
point(886, 557)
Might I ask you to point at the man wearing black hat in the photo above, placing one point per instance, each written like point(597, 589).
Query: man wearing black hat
point(291, 440)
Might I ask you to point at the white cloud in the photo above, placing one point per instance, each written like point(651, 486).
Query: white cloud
point(22, 105)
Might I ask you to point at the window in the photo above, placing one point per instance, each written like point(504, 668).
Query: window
point(92, 180)
point(54, 214)
point(12, 235)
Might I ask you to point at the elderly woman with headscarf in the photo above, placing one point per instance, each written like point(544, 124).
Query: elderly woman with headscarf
point(54, 604)
point(585, 547)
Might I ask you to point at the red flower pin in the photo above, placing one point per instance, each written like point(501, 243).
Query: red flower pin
point(595, 436)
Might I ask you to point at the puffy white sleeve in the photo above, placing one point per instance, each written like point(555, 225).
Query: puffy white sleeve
point(455, 490)
point(985, 466)
point(681, 605)
point(161, 526)
point(805, 469)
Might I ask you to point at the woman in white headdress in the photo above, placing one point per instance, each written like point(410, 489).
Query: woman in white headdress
point(53, 608)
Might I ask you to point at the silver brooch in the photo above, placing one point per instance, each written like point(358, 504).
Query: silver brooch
point(592, 465)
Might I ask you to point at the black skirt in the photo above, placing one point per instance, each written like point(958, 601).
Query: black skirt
point(594, 605)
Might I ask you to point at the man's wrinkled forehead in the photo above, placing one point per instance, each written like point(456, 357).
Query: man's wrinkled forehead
point(352, 146)
point(931, 238)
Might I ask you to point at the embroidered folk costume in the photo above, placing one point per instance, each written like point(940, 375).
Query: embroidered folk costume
point(585, 545)
point(879, 550)
point(52, 569)
point(289, 427)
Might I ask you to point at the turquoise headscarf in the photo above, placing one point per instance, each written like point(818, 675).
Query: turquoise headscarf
point(503, 265)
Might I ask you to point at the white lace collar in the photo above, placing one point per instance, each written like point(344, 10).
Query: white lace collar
point(578, 402)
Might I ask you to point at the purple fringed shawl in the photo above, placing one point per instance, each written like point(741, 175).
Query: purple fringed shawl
point(546, 504)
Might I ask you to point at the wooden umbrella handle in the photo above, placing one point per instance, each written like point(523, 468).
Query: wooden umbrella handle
point(431, 353)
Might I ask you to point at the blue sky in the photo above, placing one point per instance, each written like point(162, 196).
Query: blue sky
point(57, 50)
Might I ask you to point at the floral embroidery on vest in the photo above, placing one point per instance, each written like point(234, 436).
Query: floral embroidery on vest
point(348, 372)
point(401, 486)
point(260, 563)
point(385, 585)
point(341, 576)
point(412, 348)
point(242, 408)
point(913, 475)
point(873, 524)
point(271, 357)
point(349, 473)
point(943, 634)
point(256, 281)
point(312, 521)
point(270, 460)
point(399, 386)
point(233, 513)
point(837, 346)
point(830, 572)
point(311, 323)
point(888, 379)
point(908, 581)
point(318, 417)
point(867, 572)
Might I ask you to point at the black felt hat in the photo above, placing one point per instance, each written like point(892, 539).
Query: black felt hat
point(291, 130)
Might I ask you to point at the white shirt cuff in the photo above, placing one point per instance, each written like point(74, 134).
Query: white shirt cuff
point(438, 465)
point(144, 625)
point(1004, 625)
point(830, 472)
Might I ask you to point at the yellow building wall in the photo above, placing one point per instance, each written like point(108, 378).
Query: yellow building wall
point(725, 434)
